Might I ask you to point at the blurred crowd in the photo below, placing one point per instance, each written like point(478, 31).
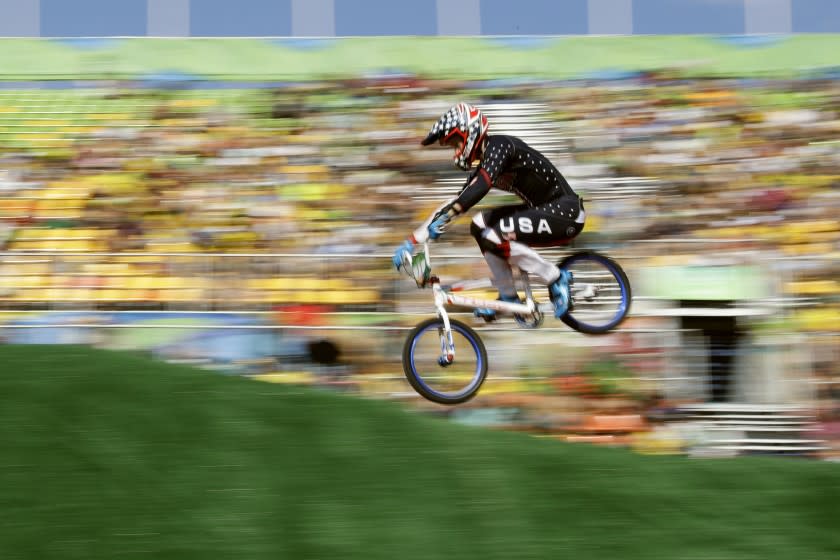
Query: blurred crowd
point(338, 168)
point(678, 171)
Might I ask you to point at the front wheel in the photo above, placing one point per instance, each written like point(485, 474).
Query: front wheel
point(435, 375)
point(600, 293)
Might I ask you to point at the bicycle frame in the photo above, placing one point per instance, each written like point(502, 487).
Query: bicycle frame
point(449, 296)
point(445, 296)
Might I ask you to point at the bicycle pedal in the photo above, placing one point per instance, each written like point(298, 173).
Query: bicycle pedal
point(489, 315)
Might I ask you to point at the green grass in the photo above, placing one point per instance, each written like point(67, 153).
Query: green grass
point(109, 455)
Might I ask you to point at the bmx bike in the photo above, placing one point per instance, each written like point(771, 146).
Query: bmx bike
point(600, 300)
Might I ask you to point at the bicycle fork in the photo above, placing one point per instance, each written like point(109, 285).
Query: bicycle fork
point(447, 342)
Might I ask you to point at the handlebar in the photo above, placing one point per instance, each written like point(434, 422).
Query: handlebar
point(418, 267)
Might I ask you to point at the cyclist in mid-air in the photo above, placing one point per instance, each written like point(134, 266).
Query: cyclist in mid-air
point(551, 212)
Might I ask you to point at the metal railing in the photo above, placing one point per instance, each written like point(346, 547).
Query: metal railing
point(216, 279)
point(685, 375)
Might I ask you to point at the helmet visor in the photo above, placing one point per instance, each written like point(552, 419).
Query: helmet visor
point(455, 140)
point(430, 139)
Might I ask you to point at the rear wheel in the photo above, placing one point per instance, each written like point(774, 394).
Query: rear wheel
point(600, 293)
point(430, 371)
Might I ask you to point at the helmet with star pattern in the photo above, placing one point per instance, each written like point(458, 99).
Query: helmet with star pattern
point(463, 127)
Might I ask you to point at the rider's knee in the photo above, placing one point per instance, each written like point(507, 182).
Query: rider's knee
point(487, 238)
point(492, 243)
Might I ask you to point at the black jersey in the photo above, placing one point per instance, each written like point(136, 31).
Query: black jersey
point(509, 164)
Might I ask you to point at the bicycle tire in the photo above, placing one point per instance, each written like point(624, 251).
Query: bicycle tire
point(416, 379)
point(626, 297)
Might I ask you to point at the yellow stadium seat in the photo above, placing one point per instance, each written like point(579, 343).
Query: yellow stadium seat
point(81, 294)
point(134, 295)
point(90, 281)
point(817, 225)
point(278, 296)
point(51, 294)
point(137, 282)
point(808, 249)
point(60, 281)
point(24, 245)
point(183, 283)
point(106, 269)
point(304, 169)
point(151, 295)
point(325, 283)
point(27, 234)
point(33, 281)
point(115, 282)
point(12, 207)
point(366, 296)
point(164, 295)
point(24, 295)
point(171, 247)
point(813, 287)
point(305, 296)
point(23, 268)
point(280, 283)
point(337, 297)
point(819, 319)
point(181, 294)
point(68, 245)
point(160, 282)
point(336, 284)
point(109, 294)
